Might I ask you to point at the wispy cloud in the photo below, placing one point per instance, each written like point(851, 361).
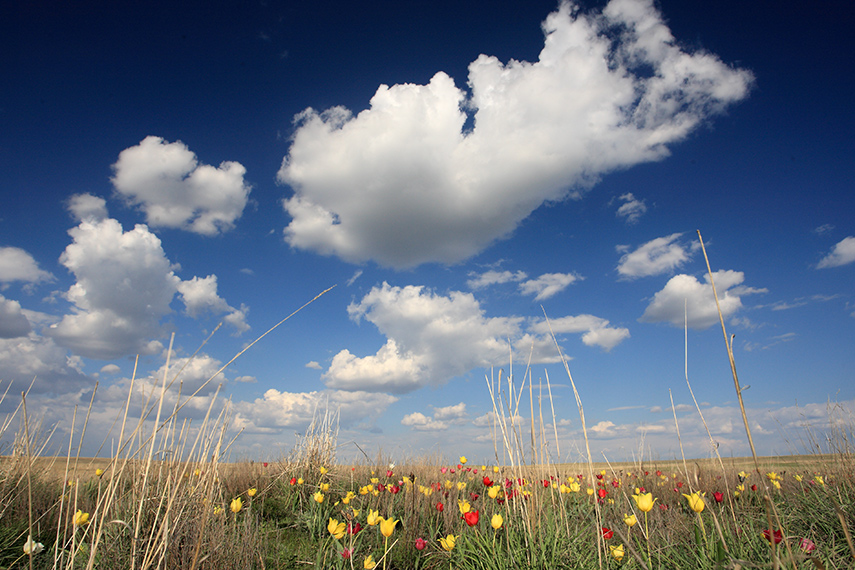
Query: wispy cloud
point(843, 253)
point(632, 208)
point(660, 255)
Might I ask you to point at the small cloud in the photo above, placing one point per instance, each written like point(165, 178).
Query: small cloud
point(547, 285)
point(314, 365)
point(660, 255)
point(455, 412)
point(632, 208)
point(824, 228)
point(246, 379)
point(623, 408)
point(843, 253)
point(247, 271)
point(656, 410)
point(480, 281)
point(353, 279)
point(110, 369)
point(603, 428)
point(419, 421)
point(18, 265)
point(87, 207)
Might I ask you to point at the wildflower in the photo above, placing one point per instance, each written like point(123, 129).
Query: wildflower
point(608, 533)
point(777, 484)
point(420, 543)
point(369, 563)
point(630, 520)
point(617, 552)
point(337, 529)
point(798, 477)
point(743, 476)
point(354, 528)
point(347, 553)
point(80, 518)
point(440, 507)
point(819, 480)
point(494, 491)
point(323, 470)
point(325, 487)
point(464, 506)
point(300, 481)
point(448, 542)
point(497, 521)
point(218, 510)
point(807, 545)
point(265, 464)
point(461, 485)
point(387, 527)
point(718, 496)
point(252, 492)
point(602, 493)
point(319, 497)
point(293, 480)
point(644, 502)
point(773, 476)
point(495, 468)
point(463, 460)
point(237, 505)
point(696, 501)
point(471, 518)
point(778, 537)
point(575, 487)
point(590, 491)
point(487, 481)
point(32, 547)
point(99, 472)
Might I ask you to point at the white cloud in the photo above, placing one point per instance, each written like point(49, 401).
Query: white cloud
point(246, 379)
point(843, 253)
point(277, 410)
point(597, 331)
point(200, 296)
point(173, 190)
point(431, 338)
point(455, 412)
point(684, 294)
point(18, 265)
point(13, 321)
point(110, 369)
point(87, 207)
point(482, 280)
point(547, 285)
point(31, 356)
point(632, 208)
point(314, 365)
point(402, 183)
point(660, 255)
point(421, 422)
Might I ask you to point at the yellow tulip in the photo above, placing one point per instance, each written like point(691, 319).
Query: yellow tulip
point(300, 481)
point(319, 497)
point(495, 468)
point(575, 487)
point(374, 517)
point(798, 478)
point(590, 491)
point(773, 476)
point(819, 479)
point(387, 527)
point(237, 505)
point(696, 501)
point(497, 521)
point(369, 563)
point(80, 518)
point(617, 552)
point(448, 542)
point(644, 501)
point(630, 520)
point(325, 487)
point(323, 470)
point(463, 460)
point(252, 492)
point(464, 506)
point(493, 491)
point(337, 529)
point(99, 472)
point(32, 547)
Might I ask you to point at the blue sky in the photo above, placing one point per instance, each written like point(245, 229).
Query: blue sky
point(456, 172)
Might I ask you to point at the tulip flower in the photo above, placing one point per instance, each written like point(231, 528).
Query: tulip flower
point(347, 553)
point(387, 527)
point(374, 517)
point(807, 545)
point(471, 518)
point(608, 533)
point(32, 547)
point(337, 529)
point(487, 481)
point(440, 507)
point(464, 506)
point(319, 497)
point(420, 543)
point(300, 481)
point(617, 552)
point(718, 496)
point(80, 518)
point(463, 460)
point(99, 472)
point(237, 505)
point(644, 502)
point(497, 521)
point(448, 542)
point(323, 470)
point(778, 537)
point(630, 520)
point(252, 492)
point(369, 563)
point(696, 501)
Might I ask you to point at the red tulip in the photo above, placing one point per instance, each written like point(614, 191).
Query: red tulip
point(608, 533)
point(719, 497)
point(293, 481)
point(471, 518)
point(602, 493)
point(420, 544)
point(487, 481)
point(265, 464)
point(439, 507)
point(777, 535)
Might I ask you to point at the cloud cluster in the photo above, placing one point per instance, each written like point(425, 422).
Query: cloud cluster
point(686, 297)
point(843, 253)
point(124, 287)
point(403, 183)
point(632, 208)
point(660, 255)
point(173, 190)
point(442, 419)
point(432, 338)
